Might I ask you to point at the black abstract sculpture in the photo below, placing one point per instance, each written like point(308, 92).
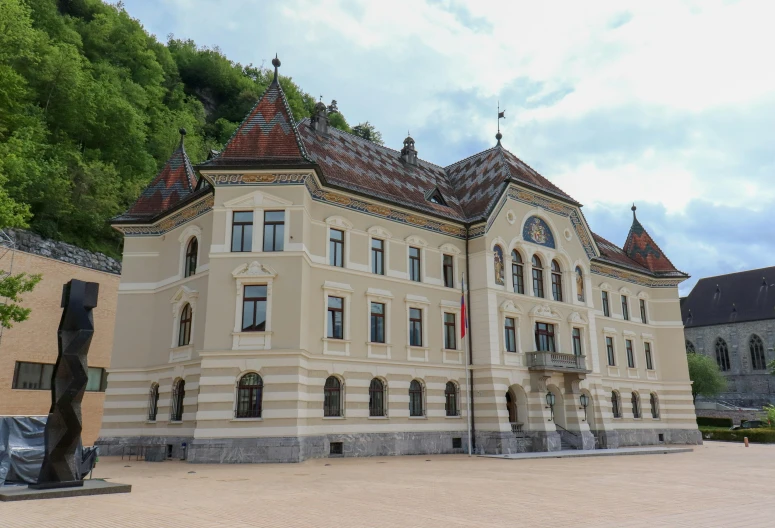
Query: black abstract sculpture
point(60, 468)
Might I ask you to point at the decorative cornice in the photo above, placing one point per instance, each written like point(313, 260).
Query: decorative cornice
point(169, 223)
point(634, 278)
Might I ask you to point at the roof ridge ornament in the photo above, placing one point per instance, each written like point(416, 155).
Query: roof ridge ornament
point(501, 115)
point(276, 63)
point(182, 136)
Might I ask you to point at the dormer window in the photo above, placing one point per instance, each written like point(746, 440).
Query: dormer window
point(434, 196)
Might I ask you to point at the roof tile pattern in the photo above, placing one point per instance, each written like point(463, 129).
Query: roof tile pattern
point(613, 254)
point(173, 184)
point(641, 248)
point(353, 163)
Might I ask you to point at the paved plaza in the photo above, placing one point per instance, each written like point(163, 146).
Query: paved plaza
point(717, 485)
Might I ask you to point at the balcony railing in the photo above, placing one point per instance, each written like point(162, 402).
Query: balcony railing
point(556, 361)
point(516, 428)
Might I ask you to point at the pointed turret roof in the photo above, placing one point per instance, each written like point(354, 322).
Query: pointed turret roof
point(172, 185)
point(641, 248)
point(268, 135)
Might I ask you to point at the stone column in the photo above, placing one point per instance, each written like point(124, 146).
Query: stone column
point(574, 413)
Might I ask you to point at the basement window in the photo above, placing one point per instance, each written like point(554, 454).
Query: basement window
point(457, 443)
point(336, 448)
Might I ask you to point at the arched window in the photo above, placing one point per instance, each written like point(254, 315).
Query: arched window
point(654, 406)
point(178, 393)
point(184, 330)
point(538, 277)
point(250, 394)
point(616, 404)
point(153, 402)
point(517, 272)
point(450, 399)
point(191, 251)
point(579, 284)
point(756, 346)
point(332, 397)
point(498, 264)
point(376, 398)
point(635, 405)
point(690, 347)
point(415, 399)
point(722, 354)
point(556, 281)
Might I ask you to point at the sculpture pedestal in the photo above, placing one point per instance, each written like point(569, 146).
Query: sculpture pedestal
point(54, 485)
point(88, 487)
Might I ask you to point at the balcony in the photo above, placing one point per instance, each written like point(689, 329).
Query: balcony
point(556, 361)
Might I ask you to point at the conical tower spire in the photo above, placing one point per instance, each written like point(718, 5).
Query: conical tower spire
point(641, 248)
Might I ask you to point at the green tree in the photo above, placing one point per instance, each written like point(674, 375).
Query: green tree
point(367, 131)
point(706, 377)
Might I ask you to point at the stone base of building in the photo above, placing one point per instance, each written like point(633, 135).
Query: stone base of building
point(156, 448)
point(646, 437)
point(500, 443)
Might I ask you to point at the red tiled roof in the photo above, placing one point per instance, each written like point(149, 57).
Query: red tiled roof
point(614, 254)
point(641, 248)
point(267, 135)
point(174, 183)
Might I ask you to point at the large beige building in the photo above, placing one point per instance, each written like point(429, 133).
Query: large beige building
point(303, 298)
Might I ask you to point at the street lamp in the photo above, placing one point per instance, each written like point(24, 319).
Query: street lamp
point(550, 402)
point(584, 402)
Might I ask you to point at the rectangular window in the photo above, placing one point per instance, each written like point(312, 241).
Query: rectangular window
point(254, 308)
point(545, 337)
point(32, 376)
point(336, 317)
point(377, 322)
point(577, 342)
point(449, 271)
point(242, 231)
point(450, 331)
point(649, 360)
point(630, 356)
point(414, 264)
point(510, 340)
point(415, 327)
point(538, 282)
point(377, 256)
point(609, 346)
point(517, 274)
point(274, 230)
point(625, 309)
point(98, 380)
point(643, 312)
point(606, 308)
point(336, 248)
point(557, 286)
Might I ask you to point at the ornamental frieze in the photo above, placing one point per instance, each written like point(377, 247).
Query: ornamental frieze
point(169, 223)
point(614, 273)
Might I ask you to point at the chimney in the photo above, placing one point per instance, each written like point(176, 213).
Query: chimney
point(319, 120)
point(408, 154)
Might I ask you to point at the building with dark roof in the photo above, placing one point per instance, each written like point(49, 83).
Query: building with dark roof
point(731, 318)
point(303, 299)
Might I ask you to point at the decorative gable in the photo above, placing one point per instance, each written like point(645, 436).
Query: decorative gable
point(253, 270)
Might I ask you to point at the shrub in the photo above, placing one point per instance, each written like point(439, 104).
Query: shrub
point(761, 436)
point(714, 422)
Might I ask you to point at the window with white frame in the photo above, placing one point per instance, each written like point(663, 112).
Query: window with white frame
point(378, 256)
point(242, 231)
point(577, 348)
point(450, 331)
point(335, 317)
point(377, 322)
point(274, 230)
point(544, 333)
point(609, 347)
point(415, 264)
point(415, 327)
point(510, 337)
point(336, 248)
point(630, 353)
point(253, 311)
point(649, 358)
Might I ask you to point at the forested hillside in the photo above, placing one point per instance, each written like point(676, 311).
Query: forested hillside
point(90, 107)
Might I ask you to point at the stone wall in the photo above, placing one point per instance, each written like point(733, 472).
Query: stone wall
point(37, 245)
point(736, 416)
point(745, 387)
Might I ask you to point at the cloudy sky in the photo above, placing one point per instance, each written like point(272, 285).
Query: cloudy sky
point(667, 104)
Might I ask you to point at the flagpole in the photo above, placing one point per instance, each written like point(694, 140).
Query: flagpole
point(468, 369)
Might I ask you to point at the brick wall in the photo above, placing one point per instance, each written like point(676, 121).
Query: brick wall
point(35, 340)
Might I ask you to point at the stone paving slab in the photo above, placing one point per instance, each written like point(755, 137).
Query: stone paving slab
point(90, 487)
point(718, 485)
point(577, 453)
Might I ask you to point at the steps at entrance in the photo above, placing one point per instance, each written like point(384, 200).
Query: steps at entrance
point(565, 446)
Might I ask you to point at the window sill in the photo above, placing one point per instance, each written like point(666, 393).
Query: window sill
point(175, 422)
point(335, 340)
point(150, 421)
point(414, 347)
point(249, 419)
point(418, 417)
point(251, 333)
point(378, 417)
point(377, 343)
point(458, 417)
point(333, 417)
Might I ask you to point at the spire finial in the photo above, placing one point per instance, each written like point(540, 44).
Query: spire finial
point(501, 115)
point(182, 135)
point(276, 63)
point(633, 209)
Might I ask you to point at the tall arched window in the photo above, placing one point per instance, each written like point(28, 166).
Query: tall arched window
point(758, 361)
point(450, 399)
point(690, 347)
point(654, 406)
point(184, 329)
point(538, 277)
point(153, 402)
point(415, 399)
point(178, 394)
point(616, 404)
point(191, 250)
point(517, 272)
point(376, 398)
point(579, 284)
point(722, 354)
point(332, 397)
point(250, 395)
point(556, 281)
point(635, 405)
point(498, 264)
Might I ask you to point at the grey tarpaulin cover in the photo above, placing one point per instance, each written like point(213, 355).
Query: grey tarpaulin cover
point(22, 449)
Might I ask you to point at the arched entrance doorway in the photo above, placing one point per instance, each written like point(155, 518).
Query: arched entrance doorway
point(516, 405)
